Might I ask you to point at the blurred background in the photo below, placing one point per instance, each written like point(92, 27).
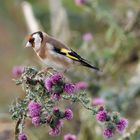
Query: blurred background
point(105, 32)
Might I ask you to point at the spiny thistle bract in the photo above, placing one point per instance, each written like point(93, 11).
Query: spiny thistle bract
point(43, 90)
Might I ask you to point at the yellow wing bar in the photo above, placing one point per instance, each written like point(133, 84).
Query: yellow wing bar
point(68, 55)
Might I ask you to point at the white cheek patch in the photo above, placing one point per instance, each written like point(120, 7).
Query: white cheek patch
point(37, 41)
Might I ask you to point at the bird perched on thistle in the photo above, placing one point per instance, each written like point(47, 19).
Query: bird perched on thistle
point(54, 53)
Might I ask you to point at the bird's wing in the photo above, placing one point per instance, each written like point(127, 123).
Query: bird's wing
point(59, 48)
point(70, 54)
point(76, 57)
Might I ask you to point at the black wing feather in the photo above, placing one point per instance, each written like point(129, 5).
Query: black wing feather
point(79, 58)
point(82, 60)
point(57, 50)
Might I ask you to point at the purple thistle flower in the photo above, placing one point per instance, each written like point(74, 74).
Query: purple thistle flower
point(56, 97)
point(34, 109)
point(36, 121)
point(108, 133)
point(69, 88)
point(101, 108)
point(98, 102)
point(80, 2)
point(122, 125)
point(81, 86)
point(68, 114)
point(70, 137)
point(87, 37)
point(48, 84)
point(55, 132)
point(101, 116)
point(17, 71)
point(22, 137)
point(56, 78)
point(56, 111)
point(60, 124)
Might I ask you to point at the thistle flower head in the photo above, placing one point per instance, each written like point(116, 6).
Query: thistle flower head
point(98, 102)
point(60, 124)
point(54, 132)
point(56, 97)
point(101, 108)
point(18, 70)
point(122, 125)
point(48, 84)
point(22, 137)
point(56, 111)
point(36, 121)
point(101, 116)
point(80, 2)
point(81, 86)
point(57, 130)
point(87, 37)
point(68, 114)
point(70, 137)
point(56, 78)
point(69, 88)
point(34, 109)
point(108, 133)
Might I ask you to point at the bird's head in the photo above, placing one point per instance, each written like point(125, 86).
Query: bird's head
point(35, 40)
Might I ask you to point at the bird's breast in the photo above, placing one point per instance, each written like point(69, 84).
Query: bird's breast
point(55, 61)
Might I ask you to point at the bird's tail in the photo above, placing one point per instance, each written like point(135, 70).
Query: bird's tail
point(86, 64)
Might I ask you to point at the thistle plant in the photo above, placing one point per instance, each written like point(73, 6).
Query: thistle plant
point(44, 92)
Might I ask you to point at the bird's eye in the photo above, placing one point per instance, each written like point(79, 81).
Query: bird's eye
point(31, 40)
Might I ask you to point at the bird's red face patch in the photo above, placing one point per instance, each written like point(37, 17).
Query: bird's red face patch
point(31, 40)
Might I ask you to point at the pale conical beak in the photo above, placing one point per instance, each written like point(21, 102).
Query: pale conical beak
point(28, 44)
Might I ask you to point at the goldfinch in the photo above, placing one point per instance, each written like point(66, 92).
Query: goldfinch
point(54, 53)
